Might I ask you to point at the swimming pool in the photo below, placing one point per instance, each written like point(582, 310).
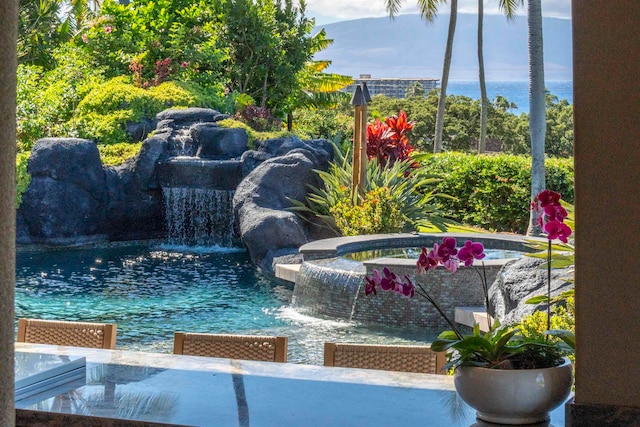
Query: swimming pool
point(152, 290)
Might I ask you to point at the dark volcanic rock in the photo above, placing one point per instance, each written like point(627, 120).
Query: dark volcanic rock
point(65, 201)
point(520, 280)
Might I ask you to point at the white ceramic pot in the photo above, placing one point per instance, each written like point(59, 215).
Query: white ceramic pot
point(519, 396)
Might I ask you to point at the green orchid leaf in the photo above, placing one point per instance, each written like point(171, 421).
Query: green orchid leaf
point(537, 299)
point(448, 335)
point(567, 336)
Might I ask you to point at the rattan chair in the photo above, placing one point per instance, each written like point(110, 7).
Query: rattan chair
point(247, 347)
point(77, 334)
point(404, 358)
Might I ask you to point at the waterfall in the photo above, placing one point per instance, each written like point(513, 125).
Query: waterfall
point(199, 217)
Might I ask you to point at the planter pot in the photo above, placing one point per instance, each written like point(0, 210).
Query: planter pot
point(519, 396)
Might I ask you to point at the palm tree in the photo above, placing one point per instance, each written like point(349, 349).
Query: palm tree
point(537, 114)
point(509, 8)
point(317, 89)
point(428, 10)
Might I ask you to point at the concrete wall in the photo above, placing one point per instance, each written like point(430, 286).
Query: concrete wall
point(606, 46)
point(8, 33)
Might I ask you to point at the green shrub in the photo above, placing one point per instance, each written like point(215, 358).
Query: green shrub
point(378, 213)
point(104, 113)
point(562, 317)
point(116, 154)
point(318, 123)
point(22, 176)
point(493, 191)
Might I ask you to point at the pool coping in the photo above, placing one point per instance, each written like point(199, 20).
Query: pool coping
point(336, 246)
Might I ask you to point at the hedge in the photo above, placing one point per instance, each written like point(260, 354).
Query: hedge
point(493, 191)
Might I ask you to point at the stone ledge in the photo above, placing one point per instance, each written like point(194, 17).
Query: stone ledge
point(287, 272)
point(469, 316)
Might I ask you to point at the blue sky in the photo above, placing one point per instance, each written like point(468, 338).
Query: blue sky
point(327, 11)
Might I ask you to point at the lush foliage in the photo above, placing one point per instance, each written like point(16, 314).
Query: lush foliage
point(104, 113)
point(396, 190)
point(47, 99)
point(334, 124)
point(506, 131)
point(156, 41)
point(492, 191)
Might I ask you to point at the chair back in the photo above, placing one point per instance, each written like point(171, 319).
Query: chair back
point(77, 334)
point(247, 347)
point(403, 358)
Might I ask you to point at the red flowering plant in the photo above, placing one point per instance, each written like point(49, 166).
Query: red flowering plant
point(388, 141)
point(502, 346)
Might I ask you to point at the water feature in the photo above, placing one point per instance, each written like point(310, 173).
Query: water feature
point(199, 217)
point(150, 291)
point(329, 282)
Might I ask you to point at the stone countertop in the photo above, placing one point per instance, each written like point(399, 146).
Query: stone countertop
point(134, 389)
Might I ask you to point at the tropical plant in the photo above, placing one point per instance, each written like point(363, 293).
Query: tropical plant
point(537, 115)
point(387, 141)
point(428, 10)
point(268, 44)
point(397, 188)
point(315, 88)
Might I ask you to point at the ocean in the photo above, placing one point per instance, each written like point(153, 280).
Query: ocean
point(515, 91)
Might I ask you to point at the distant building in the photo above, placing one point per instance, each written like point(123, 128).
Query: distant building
point(391, 87)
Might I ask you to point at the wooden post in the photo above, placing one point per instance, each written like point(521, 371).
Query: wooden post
point(363, 146)
point(357, 181)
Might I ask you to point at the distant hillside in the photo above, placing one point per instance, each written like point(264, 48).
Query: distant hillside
point(410, 47)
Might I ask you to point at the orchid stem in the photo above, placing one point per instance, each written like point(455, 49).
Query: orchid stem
point(485, 290)
point(548, 287)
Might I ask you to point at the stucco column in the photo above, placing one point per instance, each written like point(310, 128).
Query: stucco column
point(606, 49)
point(8, 34)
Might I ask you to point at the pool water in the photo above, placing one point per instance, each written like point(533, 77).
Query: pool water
point(150, 291)
point(414, 253)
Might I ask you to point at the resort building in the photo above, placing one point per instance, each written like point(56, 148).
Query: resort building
point(393, 87)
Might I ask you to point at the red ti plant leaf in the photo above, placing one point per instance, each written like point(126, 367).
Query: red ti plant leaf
point(387, 141)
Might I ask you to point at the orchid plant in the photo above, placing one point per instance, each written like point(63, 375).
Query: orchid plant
point(503, 346)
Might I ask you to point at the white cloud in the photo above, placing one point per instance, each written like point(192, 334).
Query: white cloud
point(327, 11)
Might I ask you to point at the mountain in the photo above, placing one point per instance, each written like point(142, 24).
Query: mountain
point(408, 46)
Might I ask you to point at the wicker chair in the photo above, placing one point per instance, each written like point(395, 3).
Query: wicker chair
point(404, 358)
point(77, 334)
point(247, 347)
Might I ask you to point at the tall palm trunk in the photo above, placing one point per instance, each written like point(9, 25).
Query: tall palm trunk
point(537, 115)
point(442, 101)
point(484, 102)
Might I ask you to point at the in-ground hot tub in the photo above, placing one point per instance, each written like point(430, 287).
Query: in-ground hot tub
point(332, 285)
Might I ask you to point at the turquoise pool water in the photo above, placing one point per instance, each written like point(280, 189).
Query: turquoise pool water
point(150, 291)
point(414, 253)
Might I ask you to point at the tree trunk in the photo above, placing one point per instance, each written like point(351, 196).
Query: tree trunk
point(537, 115)
point(442, 101)
point(484, 102)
